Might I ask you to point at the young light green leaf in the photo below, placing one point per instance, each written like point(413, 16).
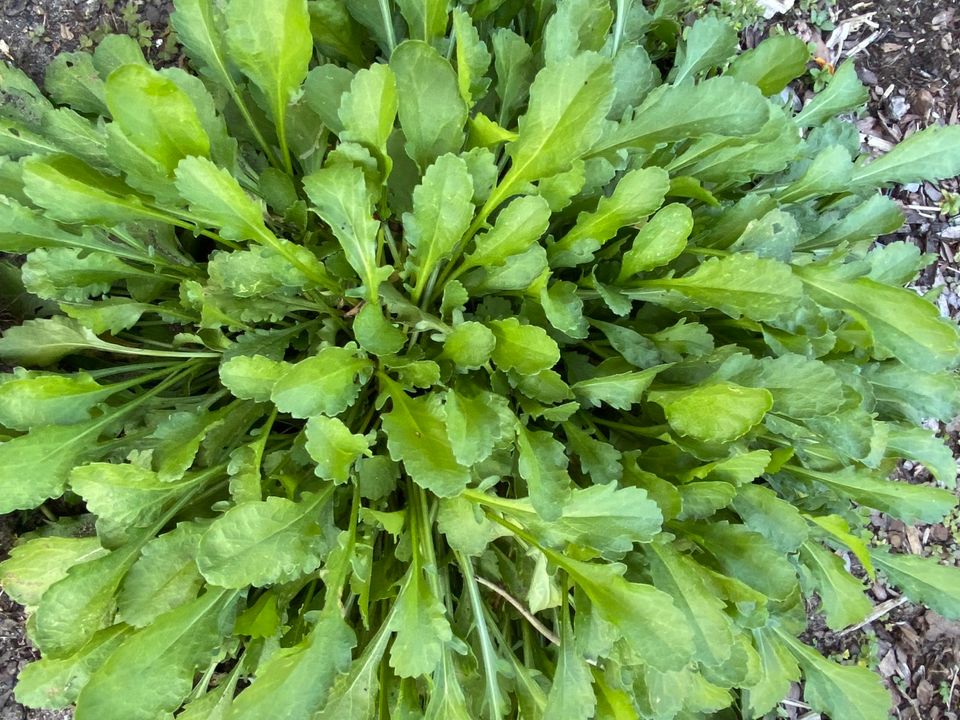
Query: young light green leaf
point(718, 106)
point(414, 424)
point(524, 348)
point(638, 194)
point(473, 59)
point(714, 412)
point(737, 285)
point(272, 46)
point(426, 19)
point(923, 580)
point(518, 226)
point(619, 390)
point(252, 377)
point(474, 424)
point(568, 103)
point(576, 26)
point(844, 602)
point(369, 110)
point(155, 115)
point(34, 400)
point(659, 241)
point(442, 211)
point(334, 448)
point(432, 113)
point(299, 678)
point(262, 543)
point(72, 79)
point(339, 194)
point(778, 671)
point(470, 345)
point(844, 691)
point(325, 384)
point(772, 64)
point(421, 627)
point(165, 656)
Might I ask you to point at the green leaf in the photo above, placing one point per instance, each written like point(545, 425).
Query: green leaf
point(339, 194)
point(36, 564)
point(571, 691)
point(473, 59)
point(635, 348)
point(714, 412)
point(421, 628)
point(843, 691)
point(253, 377)
point(432, 113)
point(37, 465)
point(746, 556)
point(414, 424)
point(469, 346)
point(844, 92)
point(604, 517)
point(325, 384)
point(71, 79)
point(272, 46)
point(844, 602)
point(30, 401)
point(709, 43)
point(910, 503)
point(576, 26)
point(76, 606)
point(524, 348)
point(199, 28)
point(519, 225)
point(777, 520)
point(899, 322)
point(369, 110)
point(930, 154)
point(165, 656)
point(334, 448)
point(442, 211)
point(568, 102)
point(354, 693)
point(474, 424)
point(335, 30)
point(163, 578)
point(543, 464)
point(56, 683)
point(718, 106)
point(638, 194)
point(913, 394)
point(619, 390)
point(680, 577)
point(772, 64)
point(923, 580)
point(737, 285)
point(299, 678)
point(659, 241)
point(514, 65)
point(155, 115)
point(598, 459)
point(800, 387)
point(654, 630)
point(923, 446)
point(426, 19)
point(262, 543)
point(779, 670)
point(124, 496)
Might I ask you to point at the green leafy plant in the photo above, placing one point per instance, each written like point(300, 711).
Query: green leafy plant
point(510, 360)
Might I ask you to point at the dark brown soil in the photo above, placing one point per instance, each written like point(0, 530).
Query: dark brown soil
point(33, 31)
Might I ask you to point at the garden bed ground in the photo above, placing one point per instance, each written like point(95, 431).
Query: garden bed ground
point(908, 52)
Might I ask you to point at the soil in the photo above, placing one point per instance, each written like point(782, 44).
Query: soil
point(908, 53)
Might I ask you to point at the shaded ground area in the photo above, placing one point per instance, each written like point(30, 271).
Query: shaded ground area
point(908, 52)
point(33, 31)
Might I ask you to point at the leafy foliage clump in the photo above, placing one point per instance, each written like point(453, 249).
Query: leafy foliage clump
point(511, 360)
